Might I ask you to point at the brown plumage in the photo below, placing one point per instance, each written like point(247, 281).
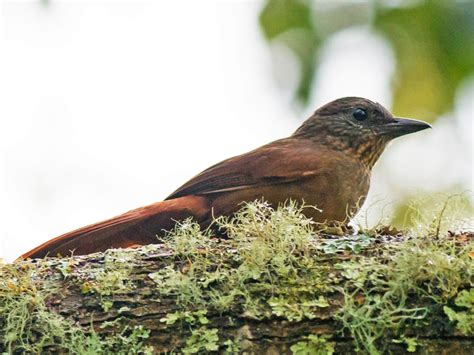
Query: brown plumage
point(326, 163)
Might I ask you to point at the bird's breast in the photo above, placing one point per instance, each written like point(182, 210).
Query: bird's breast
point(338, 192)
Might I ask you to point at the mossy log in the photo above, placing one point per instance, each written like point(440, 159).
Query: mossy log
point(301, 292)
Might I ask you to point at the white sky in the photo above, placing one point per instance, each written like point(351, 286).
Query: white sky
point(105, 107)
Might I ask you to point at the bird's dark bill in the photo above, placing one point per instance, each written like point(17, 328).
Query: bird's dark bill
point(401, 126)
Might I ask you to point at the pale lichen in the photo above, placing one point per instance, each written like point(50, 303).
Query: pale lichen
point(276, 264)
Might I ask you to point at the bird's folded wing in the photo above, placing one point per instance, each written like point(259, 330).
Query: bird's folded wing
point(279, 162)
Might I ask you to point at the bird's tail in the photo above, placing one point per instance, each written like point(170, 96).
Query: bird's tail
point(136, 227)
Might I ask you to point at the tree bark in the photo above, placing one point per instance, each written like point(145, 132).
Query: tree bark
point(120, 288)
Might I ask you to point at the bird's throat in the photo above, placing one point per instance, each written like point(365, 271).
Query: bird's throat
point(366, 151)
point(369, 152)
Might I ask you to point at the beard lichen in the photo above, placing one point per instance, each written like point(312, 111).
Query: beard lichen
point(112, 279)
point(28, 326)
point(276, 264)
point(278, 268)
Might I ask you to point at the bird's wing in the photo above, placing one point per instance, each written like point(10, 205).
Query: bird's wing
point(282, 161)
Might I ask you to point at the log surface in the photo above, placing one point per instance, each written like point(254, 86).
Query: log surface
point(105, 293)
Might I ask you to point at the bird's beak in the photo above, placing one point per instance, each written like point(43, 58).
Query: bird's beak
point(401, 126)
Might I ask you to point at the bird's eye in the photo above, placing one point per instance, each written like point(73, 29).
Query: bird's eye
point(360, 114)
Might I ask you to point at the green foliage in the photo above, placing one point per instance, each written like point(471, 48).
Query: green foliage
point(202, 339)
point(434, 49)
point(411, 343)
point(465, 318)
point(128, 341)
point(432, 42)
point(290, 22)
point(191, 318)
point(435, 214)
point(296, 311)
point(313, 345)
point(231, 347)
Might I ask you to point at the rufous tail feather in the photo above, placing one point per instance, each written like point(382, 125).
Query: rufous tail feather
point(137, 227)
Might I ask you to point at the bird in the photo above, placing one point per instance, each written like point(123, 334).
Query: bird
point(326, 163)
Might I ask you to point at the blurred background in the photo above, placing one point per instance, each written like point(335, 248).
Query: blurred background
point(106, 106)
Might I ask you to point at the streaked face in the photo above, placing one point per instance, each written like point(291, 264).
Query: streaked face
point(352, 115)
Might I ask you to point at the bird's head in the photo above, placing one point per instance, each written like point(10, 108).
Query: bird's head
point(358, 126)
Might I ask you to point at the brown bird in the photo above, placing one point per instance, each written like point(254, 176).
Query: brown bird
point(326, 163)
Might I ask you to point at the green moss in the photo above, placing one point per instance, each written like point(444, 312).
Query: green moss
point(271, 261)
point(27, 325)
point(112, 279)
point(231, 347)
point(313, 345)
point(190, 318)
point(275, 264)
point(202, 339)
point(278, 268)
point(464, 318)
point(130, 340)
point(382, 299)
point(296, 310)
point(187, 239)
point(353, 243)
point(411, 343)
point(435, 214)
